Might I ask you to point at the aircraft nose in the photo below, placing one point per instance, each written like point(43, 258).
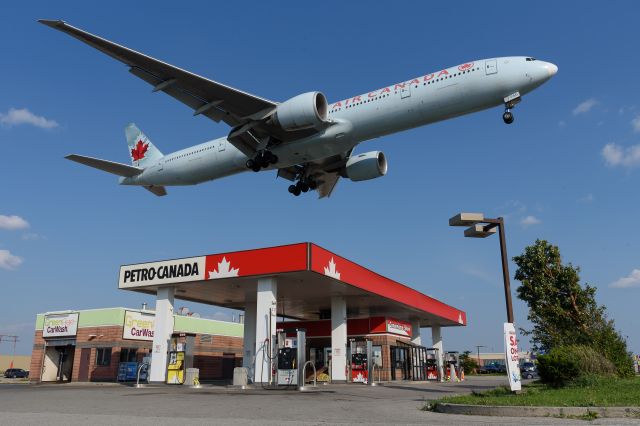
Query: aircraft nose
point(552, 69)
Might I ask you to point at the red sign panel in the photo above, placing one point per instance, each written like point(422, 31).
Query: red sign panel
point(272, 260)
point(339, 268)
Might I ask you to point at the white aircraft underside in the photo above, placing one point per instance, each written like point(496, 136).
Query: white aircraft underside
point(306, 139)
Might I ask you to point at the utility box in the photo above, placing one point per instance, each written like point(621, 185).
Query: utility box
point(193, 377)
point(240, 376)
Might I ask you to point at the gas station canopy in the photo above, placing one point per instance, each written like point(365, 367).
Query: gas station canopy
point(308, 276)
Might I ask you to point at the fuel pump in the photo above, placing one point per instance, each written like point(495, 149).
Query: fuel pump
point(359, 362)
point(432, 364)
point(180, 358)
point(287, 360)
point(291, 358)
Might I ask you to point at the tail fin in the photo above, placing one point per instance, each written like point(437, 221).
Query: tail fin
point(141, 150)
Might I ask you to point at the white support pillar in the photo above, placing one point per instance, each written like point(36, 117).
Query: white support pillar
point(436, 338)
point(249, 339)
point(162, 333)
point(338, 339)
point(266, 315)
point(416, 338)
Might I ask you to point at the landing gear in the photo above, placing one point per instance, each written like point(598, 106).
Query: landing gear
point(507, 117)
point(509, 102)
point(302, 185)
point(262, 160)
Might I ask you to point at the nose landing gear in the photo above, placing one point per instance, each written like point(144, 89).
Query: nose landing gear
point(262, 160)
point(509, 102)
point(507, 116)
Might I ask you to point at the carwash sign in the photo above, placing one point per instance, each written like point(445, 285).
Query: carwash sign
point(60, 325)
point(138, 326)
point(163, 272)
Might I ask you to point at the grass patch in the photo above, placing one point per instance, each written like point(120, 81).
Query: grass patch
point(602, 392)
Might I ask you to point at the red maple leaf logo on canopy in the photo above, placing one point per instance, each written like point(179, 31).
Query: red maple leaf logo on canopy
point(137, 153)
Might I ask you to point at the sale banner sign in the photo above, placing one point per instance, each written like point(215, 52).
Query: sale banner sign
point(511, 356)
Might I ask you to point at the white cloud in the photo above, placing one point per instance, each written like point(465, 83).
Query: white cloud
point(589, 198)
point(584, 107)
point(16, 117)
point(32, 236)
point(12, 222)
point(530, 220)
point(616, 155)
point(635, 123)
point(633, 280)
point(9, 261)
point(562, 123)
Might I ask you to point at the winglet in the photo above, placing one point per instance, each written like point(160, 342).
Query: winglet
point(54, 23)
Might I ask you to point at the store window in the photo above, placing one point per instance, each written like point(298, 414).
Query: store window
point(128, 354)
point(103, 356)
point(377, 356)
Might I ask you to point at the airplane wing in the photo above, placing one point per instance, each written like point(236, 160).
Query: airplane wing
point(106, 165)
point(207, 97)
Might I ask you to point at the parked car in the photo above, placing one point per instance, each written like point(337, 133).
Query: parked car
point(13, 373)
point(492, 368)
point(528, 370)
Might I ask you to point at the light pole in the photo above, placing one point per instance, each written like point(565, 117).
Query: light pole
point(481, 227)
point(478, 349)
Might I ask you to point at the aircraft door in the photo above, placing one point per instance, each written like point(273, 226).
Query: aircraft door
point(222, 145)
point(491, 66)
point(405, 92)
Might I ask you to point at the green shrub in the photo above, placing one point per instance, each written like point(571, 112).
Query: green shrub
point(573, 364)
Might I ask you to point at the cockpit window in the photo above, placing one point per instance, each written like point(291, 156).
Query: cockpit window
point(531, 59)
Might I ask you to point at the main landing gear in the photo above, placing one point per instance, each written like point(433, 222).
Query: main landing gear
point(303, 185)
point(509, 102)
point(262, 160)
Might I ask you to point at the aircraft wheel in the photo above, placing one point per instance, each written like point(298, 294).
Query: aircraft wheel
point(303, 186)
point(507, 117)
point(274, 159)
point(250, 164)
point(296, 190)
point(256, 167)
point(292, 189)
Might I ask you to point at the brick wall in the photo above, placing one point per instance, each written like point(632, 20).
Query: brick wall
point(214, 355)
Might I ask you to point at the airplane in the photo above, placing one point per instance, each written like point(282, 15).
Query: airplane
point(308, 140)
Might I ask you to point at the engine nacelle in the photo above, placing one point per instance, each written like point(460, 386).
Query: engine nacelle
point(302, 111)
point(369, 165)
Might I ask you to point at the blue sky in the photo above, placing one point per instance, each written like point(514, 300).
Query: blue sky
point(567, 170)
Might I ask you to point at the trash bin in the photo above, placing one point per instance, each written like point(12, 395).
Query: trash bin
point(240, 376)
point(193, 377)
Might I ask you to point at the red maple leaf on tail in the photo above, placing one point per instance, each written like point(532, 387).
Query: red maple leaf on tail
point(138, 152)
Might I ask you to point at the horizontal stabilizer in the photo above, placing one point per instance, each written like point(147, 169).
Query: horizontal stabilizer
point(160, 191)
point(107, 166)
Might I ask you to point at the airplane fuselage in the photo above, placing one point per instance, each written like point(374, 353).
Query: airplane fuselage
point(448, 93)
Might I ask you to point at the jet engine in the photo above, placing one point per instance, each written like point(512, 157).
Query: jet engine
point(369, 165)
point(302, 111)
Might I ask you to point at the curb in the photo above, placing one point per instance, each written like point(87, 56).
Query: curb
point(528, 411)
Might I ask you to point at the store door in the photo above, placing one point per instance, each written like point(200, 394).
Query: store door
point(418, 363)
point(83, 373)
point(400, 363)
point(228, 364)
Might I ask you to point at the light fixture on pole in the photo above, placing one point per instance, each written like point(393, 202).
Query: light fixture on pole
point(482, 227)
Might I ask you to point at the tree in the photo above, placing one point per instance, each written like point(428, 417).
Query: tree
point(562, 311)
point(468, 363)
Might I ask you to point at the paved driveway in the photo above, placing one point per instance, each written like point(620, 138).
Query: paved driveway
point(109, 404)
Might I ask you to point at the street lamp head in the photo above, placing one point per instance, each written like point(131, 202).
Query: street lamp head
point(466, 219)
point(479, 231)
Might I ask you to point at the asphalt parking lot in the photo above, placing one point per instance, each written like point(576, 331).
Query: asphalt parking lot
point(112, 404)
